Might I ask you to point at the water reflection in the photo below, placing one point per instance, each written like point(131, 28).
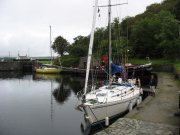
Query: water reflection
point(11, 74)
point(41, 104)
point(85, 128)
point(66, 84)
point(63, 91)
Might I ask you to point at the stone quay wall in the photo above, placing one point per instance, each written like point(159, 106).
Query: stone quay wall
point(18, 65)
point(167, 68)
point(162, 67)
point(8, 66)
point(176, 72)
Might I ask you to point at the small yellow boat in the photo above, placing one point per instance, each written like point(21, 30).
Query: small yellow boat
point(49, 71)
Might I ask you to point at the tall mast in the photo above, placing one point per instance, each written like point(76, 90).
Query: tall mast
point(50, 45)
point(109, 43)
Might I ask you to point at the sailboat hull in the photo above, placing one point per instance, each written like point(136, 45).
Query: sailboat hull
point(48, 71)
point(97, 114)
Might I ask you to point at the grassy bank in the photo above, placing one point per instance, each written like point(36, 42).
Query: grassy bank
point(46, 62)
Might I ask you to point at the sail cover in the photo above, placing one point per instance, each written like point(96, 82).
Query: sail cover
point(114, 68)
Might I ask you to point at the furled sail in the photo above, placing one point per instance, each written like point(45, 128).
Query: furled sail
point(90, 46)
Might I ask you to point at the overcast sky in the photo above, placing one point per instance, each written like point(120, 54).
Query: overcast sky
point(24, 24)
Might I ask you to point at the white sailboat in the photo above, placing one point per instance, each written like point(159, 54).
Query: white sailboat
point(112, 99)
point(48, 70)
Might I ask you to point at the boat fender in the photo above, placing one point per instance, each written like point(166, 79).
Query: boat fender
point(130, 106)
point(88, 118)
point(139, 82)
point(119, 80)
point(141, 91)
point(107, 121)
point(138, 101)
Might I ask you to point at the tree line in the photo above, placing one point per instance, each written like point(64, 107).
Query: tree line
point(154, 33)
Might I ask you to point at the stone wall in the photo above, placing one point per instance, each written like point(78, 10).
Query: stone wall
point(167, 68)
point(8, 66)
point(176, 72)
point(17, 65)
point(162, 67)
point(83, 62)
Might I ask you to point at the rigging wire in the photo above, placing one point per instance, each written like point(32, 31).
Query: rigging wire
point(127, 36)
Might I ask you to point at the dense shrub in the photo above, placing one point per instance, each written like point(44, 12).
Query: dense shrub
point(67, 61)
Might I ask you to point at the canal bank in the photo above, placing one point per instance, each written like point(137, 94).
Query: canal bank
point(155, 115)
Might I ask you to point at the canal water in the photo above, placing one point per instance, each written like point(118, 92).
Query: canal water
point(37, 104)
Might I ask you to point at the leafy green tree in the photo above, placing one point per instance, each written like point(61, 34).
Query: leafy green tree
point(99, 35)
point(79, 51)
point(80, 40)
point(126, 26)
point(60, 45)
point(177, 10)
point(141, 38)
point(152, 8)
point(117, 46)
point(169, 35)
point(67, 61)
point(115, 29)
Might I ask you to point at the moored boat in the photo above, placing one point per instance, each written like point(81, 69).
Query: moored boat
point(115, 97)
point(49, 71)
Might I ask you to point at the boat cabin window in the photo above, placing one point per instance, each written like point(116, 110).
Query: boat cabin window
point(101, 94)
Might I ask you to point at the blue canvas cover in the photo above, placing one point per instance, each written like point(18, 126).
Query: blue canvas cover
point(128, 85)
point(114, 68)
